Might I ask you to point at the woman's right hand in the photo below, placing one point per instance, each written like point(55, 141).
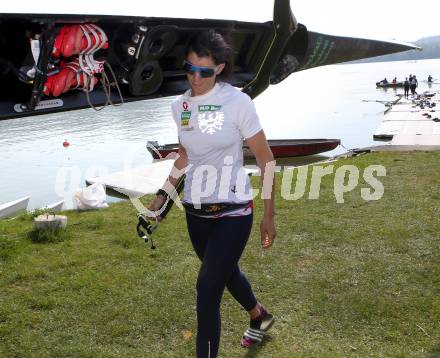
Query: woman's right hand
point(178, 169)
point(155, 207)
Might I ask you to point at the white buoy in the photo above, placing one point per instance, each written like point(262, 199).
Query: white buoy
point(50, 221)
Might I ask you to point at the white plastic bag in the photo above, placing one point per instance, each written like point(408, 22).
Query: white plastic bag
point(91, 197)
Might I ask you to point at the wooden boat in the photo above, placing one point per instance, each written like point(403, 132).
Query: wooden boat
point(137, 58)
point(8, 210)
point(281, 148)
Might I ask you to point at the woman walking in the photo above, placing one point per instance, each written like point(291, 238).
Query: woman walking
point(212, 119)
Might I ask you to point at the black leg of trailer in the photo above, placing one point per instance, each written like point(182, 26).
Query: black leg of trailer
point(42, 65)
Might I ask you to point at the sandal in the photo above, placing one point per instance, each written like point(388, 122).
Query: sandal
point(257, 329)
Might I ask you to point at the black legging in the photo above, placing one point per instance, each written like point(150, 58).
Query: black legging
point(219, 244)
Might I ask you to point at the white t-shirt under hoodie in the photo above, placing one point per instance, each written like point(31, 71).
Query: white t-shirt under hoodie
point(211, 127)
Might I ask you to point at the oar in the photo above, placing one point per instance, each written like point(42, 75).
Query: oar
point(145, 228)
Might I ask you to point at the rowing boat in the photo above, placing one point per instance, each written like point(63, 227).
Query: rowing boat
point(10, 209)
point(281, 148)
point(61, 62)
point(389, 84)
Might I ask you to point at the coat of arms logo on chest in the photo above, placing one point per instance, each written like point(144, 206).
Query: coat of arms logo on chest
point(210, 118)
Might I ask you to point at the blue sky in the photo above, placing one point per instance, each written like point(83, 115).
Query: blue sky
point(403, 20)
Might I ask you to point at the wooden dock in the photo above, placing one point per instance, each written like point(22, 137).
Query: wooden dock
point(412, 122)
point(139, 181)
point(135, 182)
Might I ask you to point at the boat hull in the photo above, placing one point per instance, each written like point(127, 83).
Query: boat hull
point(145, 55)
point(390, 85)
point(54, 207)
point(8, 210)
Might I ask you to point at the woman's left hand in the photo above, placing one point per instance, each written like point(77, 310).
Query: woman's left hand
point(268, 231)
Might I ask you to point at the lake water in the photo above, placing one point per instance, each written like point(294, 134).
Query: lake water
point(326, 102)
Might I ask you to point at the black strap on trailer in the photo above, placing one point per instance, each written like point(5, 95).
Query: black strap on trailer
point(47, 40)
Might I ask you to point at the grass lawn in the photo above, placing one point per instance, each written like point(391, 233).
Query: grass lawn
point(356, 279)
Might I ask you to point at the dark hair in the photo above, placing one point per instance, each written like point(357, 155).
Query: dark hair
point(212, 44)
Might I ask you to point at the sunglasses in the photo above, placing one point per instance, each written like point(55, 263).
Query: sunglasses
point(205, 72)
